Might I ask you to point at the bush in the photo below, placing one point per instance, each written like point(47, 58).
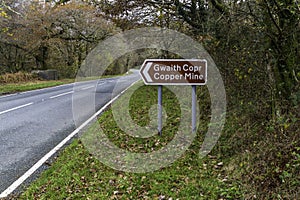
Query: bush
point(18, 77)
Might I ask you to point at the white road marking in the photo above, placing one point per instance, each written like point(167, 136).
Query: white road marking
point(9, 95)
point(37, 165)
point(63, 94)
point(86, 88)
point(15, 108)
point(31, 91)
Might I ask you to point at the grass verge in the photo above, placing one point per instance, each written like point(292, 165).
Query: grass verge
point(10, 88)
point(77, 174)
point(31, 85)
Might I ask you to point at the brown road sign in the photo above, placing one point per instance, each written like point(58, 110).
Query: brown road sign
point(174, 72)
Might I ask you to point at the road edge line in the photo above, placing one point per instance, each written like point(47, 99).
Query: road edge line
point(38, 164)
point(16, 108)
point(35, 90)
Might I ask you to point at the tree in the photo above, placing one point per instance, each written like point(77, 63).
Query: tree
point(51, 35)
point(195, 13)
point(267, 29)
point(281, 24)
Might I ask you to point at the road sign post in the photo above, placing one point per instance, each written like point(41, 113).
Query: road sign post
point(159, 118)
point(161, 72)
point(194, 106)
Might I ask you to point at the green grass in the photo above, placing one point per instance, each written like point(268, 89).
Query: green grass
point(10, 88)
point(21, 87)
point(253, 159)
point(77, 174)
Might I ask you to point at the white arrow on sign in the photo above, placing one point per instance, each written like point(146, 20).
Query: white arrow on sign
point(146, 74)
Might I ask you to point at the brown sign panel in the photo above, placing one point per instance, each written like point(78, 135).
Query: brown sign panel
point(174, 72)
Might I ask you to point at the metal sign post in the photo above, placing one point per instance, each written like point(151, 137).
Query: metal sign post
point(159, 110)
point(175, 72)
point(194, 106)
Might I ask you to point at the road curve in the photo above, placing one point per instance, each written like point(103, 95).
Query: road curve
point(32, 123)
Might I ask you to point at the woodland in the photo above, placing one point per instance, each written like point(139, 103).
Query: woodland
point(254, 43)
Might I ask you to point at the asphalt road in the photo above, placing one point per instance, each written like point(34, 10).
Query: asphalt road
point(32, 123)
